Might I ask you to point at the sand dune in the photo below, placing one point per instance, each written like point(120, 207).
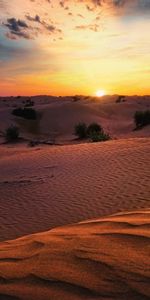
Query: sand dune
point(105, 258)
point(45, 187)
point(59, 116)
point(41, 188)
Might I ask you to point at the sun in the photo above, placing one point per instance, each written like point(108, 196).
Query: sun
point(100, 93)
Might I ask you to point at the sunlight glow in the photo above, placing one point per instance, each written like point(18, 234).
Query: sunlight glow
point(100, 93)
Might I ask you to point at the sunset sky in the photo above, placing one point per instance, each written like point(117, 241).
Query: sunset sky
point(74, 47)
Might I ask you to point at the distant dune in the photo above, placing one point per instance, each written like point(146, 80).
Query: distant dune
point(60, 114)
point(106, 258)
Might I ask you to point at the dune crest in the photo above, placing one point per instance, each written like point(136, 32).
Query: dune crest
point(106, 258)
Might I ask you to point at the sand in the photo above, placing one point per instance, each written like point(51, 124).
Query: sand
point(60, 115)
point(41, 188)
point(103, 189)
point(105, 258)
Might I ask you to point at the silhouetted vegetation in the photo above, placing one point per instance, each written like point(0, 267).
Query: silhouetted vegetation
point(26, 113)
point(94, 132)
point(12, 133)
point(99, 136)
point(81, 130)
point(33, 143)
point(29, 103)
point(93, 128)
point(120, 99)
point(142, 118)
point(76, 98)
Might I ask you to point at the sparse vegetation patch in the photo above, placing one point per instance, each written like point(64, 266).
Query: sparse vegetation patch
point(12, 133)
point(94, 132)
point(81, 130)
point(142, 118)
point(26, 113)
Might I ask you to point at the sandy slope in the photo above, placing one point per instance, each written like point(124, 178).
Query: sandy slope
point(59, 116)
point(103, 259)
point(41, 188)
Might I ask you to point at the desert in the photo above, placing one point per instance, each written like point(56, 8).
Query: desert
point(101, 188)
point(74, 150)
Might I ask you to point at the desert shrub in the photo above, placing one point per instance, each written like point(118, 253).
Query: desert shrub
point(81, 130)
point(29, 103)
point(94, 132)
point(12, 133)
point(120, 99)
point(142, 118)
point(17, 112)
point(76, 98)
point(32, 143)
point(30, 113)
point(147, 117)
point(99, 136)
point(26, 113)
point(93, 128)
point(138, 118)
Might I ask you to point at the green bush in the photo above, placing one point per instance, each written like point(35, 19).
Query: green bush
point(26, 113)
point(99, 136)
point(81, 130)
point(142, 118)
point(94, 132)
point(93, 128)
point(12, 133)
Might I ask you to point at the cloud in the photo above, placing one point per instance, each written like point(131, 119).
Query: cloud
point(49, 27)
point(134, 7)
point(34, 19)
point(63, 4)
point(93, 27)
point(81, 16)
point(131, 6)
point(17, 28)
point(38, 24)
point(126, 6)
point(115, 6)
point(20, 29)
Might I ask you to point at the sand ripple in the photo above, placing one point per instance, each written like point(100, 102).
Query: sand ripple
point(48, 187)
point(107, 258)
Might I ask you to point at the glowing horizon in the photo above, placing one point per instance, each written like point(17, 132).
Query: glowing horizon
point(74, 47)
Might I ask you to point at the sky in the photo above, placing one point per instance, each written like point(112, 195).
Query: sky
point(52, 47)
